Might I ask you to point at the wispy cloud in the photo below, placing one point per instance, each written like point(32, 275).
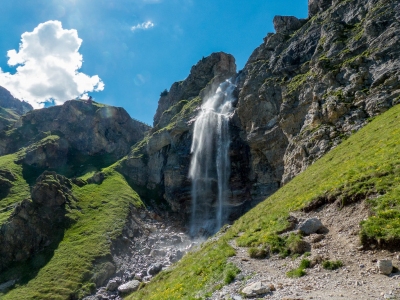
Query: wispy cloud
point(143, 26)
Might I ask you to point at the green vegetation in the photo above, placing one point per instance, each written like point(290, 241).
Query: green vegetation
point(366, 165)
point(258, 252)
point(332, 264)
point(298, 81)
point(300, 271)
point(19, 189)
point(99, 218)
point(230, 273)
point(197, 275)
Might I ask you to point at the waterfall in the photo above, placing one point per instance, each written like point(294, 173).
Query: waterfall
point(210, 164)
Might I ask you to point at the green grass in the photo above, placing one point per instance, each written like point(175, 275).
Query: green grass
point(332, 265)
point(300, 271)
point(366, 164)
point(19, 190)
point(198, 274)
point(100, 218)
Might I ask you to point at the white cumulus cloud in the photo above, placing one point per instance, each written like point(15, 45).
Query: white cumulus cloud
point(47, 63)
point(143, 26)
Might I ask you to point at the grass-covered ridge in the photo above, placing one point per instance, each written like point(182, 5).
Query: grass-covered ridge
point(366, 166)
point(98, 219)
point(19, 189)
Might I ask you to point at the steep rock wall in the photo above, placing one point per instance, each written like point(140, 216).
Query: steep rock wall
point(303, 90)
point(314, 82)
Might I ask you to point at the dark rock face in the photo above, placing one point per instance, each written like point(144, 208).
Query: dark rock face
point(60, 134)
point(35, 222)
point(287, 25)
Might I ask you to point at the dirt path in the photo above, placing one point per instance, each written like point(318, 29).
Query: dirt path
point(357, 279)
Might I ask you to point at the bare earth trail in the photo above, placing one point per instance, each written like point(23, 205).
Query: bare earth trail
point(357, 279)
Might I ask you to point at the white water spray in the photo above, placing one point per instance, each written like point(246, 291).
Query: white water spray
point(210, 165)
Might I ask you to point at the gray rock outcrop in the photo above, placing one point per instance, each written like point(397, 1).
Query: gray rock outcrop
point(36, 223)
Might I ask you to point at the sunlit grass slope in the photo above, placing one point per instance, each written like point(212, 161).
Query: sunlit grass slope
point(98, 217)
point(19, 190)
point(367, 165)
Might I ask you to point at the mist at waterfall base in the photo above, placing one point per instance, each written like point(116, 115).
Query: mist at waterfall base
point(210, 164)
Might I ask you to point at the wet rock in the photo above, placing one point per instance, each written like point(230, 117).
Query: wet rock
point(129, 287)
point(4, 286)
point(255, 289)
point(158, 253)
point(154, 269)
point(113, 284)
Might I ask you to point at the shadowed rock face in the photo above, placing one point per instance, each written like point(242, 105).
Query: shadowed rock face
point(36, 222)
point(57, 135)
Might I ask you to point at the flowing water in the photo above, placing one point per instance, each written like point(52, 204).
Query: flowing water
point(210, 165)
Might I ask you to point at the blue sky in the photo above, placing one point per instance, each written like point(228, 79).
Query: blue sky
point(136, 48)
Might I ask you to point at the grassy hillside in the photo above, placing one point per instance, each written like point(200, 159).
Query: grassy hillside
point(19, 190)
point(366, 166)
point(66, 268)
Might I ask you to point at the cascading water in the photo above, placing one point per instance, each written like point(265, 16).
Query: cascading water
point(210, 164)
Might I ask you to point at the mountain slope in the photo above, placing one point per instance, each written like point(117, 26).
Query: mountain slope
point(80, 257)
point(365, 167)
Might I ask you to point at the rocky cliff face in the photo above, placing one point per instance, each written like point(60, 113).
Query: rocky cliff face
point(8, 101)
point(71, 134)
point(11, 109)
point(303, 90)
point(314, 82)
point(37, 222)
point(159, 166)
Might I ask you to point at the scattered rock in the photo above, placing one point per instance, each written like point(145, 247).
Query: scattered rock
point(310, 226)
point(256, 288)
point(113, 284)
point(385, 266)
point(154, 269)
point(129, 287)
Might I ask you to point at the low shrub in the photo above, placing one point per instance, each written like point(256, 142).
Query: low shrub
point(332, 265)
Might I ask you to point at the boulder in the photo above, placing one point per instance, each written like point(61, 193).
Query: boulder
point(129, 287)
point(154, 269)
point(113, 284)
point(385, 266)
point(255, 289)
point(310, 226)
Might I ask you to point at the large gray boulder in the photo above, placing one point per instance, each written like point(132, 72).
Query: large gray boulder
point(129, 287)
point(310, 226)
point(256, 288)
